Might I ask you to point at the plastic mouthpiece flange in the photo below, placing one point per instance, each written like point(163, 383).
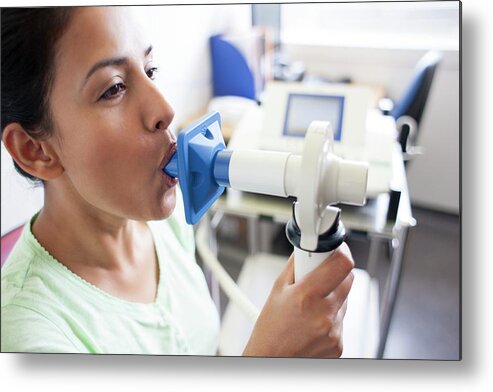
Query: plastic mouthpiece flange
point(193, 165)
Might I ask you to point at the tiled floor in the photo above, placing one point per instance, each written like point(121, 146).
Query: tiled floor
point(426, 320)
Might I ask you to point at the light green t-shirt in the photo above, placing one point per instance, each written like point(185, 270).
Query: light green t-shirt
point(47, 308)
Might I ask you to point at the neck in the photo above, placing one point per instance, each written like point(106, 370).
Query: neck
point(79, 234)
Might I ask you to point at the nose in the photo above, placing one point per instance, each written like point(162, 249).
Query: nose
point(158, 113)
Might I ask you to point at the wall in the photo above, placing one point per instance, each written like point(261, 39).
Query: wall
point(433, 177)
point(20, 200)
point(180, 37)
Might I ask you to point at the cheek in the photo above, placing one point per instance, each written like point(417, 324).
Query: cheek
point(95, 158)
point(99, 142)
point(92, 136)
point(107, 164)
point(116, 166)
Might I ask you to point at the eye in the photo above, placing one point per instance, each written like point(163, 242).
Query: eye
point(114, 91)
point(151, 73)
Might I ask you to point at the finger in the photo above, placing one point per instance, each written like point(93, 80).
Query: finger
point(330, 273)
point(342, 311)
point(344, 248)
point(335, 336)
point(339, 321)
point(338, 297)
point(339, 330)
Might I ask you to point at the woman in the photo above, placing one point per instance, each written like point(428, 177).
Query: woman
point(107, 266)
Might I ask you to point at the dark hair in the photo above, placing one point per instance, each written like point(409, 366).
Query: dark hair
point(29, 37)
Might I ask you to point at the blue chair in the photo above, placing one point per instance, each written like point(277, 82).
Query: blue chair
point(231, 74)
point(409, 109)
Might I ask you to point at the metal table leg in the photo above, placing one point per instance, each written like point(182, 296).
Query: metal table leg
point(373, 254)
point(253, 233)
point(391, 288)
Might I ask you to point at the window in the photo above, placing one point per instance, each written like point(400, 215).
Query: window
point(413, 25)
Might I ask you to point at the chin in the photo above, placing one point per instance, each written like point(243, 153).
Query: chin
point(167, 205)
point(159, 208)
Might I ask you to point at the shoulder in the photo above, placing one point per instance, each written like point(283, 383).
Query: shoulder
point(18, 266)
point(27, 330)
point(26, 277)
point(29, 271)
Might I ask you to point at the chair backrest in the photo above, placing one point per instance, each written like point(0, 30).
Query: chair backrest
point(231, 74)
point(414, 99)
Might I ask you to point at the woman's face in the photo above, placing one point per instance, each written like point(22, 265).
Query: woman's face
point(111, 122)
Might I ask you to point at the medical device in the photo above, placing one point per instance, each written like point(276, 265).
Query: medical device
point(317, 179)
point(293, 106)
point(361, 132)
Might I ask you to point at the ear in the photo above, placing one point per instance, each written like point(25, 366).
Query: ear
point(35, 157)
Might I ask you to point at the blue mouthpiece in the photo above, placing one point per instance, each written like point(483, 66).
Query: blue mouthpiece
point(171, 168)
point(201, 164)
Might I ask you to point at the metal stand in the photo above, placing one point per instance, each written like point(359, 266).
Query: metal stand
point(391, 287)
point(374, 254)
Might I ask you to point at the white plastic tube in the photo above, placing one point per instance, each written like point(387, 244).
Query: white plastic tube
point(228, 285)
point(279, 174)
point(259, 171)
point(306, 262)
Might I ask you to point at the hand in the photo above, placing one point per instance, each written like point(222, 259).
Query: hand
point(304, 319)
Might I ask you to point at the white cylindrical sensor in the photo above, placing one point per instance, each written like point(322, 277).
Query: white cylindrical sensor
point(292, 175)
point(352, 182)
point(258, 171)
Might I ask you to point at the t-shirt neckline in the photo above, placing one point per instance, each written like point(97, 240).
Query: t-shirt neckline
point(91, 288)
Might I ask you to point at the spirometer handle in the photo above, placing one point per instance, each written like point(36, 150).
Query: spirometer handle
point(305, 262)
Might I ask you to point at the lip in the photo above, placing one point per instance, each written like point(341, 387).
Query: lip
point(170, 181)
point(168, 155)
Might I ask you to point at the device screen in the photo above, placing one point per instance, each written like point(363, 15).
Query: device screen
point(302, 109)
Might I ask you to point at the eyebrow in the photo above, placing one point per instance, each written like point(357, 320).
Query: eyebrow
point(115, 61)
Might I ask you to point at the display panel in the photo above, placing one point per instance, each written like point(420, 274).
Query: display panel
point(302, 109)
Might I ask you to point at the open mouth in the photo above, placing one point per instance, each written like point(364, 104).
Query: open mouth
point(170, 181)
